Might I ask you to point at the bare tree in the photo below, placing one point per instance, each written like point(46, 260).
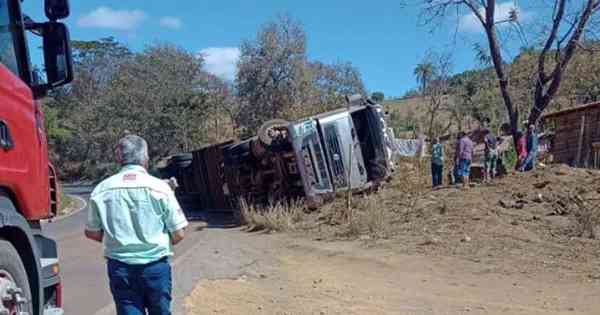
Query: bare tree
point(570, 21)
point(433, 74)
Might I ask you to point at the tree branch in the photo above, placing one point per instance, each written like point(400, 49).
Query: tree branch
point(558, 16)
point(475, 10)
point(543, 99)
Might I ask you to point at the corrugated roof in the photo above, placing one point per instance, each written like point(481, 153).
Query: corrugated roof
point(571, 110)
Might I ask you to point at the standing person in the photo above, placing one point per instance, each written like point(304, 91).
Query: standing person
point(465, 155)
point(437, 162)
point(521, 150)
point(455, 170)
point(491, 155)
point(532, 148)
point(139, 220)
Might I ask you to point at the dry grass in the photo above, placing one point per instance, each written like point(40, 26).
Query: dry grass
point(375, 214)
point(282, 216)
point(370, 217)
point(586, 217)
point(67, 204)
point(371, 214)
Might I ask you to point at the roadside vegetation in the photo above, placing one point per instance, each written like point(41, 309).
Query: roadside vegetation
point(164, 94)
point(275, 217)
point(548, 219)
point(68, 204)
point(471, 96)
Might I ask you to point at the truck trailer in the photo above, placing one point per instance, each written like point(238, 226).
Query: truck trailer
point(311, 159)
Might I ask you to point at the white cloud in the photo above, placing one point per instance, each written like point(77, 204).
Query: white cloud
point(221, 61)
point(470, 23)
point(171, 22)
point(105, 17)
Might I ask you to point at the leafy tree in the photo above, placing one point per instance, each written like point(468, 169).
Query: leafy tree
point(378, 97)
point(424, 73)
point(159, 96)
point(328, 85)
point(582, 79)
point(271, 72)
point(276, 80)
point(160, 93)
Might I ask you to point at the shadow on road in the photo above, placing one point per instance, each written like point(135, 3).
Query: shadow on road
point(213, 219)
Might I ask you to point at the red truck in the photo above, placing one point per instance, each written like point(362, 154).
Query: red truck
point(29, 270)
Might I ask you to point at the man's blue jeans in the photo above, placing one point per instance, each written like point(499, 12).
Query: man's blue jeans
point(437, 173)
point(137, 288)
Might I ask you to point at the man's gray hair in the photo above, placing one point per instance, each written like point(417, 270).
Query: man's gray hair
point(134, 150)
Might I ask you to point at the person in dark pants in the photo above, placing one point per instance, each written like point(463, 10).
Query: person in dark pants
point(532, 148)
point(437, 163)
point(490, 155)
point(455, 175)
point(138, 219)
point(465, 155)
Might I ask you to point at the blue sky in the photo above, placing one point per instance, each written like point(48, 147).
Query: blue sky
point(381, 38)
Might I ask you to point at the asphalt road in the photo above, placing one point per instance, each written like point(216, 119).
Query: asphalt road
point(83, 271)
point(83, 268)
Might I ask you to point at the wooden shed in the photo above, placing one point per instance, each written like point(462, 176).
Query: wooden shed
point(576, 135)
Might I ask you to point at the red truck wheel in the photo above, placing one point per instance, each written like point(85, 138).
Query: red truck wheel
point(15, 294)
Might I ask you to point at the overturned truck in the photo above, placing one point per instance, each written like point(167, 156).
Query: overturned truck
point(312, 158)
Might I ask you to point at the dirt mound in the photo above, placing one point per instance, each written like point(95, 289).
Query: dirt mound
point(523, 222)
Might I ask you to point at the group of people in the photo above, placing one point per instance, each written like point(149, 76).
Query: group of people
point(527, 147)
point(463, 157)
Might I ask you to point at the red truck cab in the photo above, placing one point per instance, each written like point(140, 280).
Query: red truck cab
point(29, 271)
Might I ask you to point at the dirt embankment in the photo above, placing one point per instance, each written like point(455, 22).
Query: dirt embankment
point(522, 245)
point(524, 222)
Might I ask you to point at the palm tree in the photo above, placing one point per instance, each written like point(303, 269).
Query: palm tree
point(424, 72)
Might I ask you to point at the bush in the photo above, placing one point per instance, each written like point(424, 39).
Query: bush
point(281, 216)
point(368, 216)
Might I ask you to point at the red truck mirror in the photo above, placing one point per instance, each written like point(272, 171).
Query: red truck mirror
point(56, 9)
point(57, 54)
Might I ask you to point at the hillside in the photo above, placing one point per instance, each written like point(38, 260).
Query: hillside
point(413, 113)
point(545, 220)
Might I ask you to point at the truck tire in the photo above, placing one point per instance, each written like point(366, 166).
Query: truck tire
point(182, 157)
point(14, 284)
point(263, 132)
point(180, 161)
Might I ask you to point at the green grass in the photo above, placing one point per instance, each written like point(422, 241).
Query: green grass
point(67, 204)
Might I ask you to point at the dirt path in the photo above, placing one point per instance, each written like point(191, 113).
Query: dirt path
point(294, 276)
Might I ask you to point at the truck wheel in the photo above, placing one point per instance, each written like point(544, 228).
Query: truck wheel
point(267, 131)
point(181, 160)
point(15, 294)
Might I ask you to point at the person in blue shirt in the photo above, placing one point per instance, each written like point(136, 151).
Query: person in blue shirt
point(138, 219)
point(532, 149)
point(437, 162)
